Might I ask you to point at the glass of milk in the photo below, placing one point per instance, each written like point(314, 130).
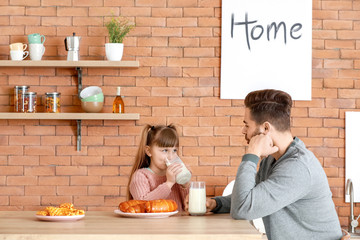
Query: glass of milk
point(197, 198)
point(184, 176)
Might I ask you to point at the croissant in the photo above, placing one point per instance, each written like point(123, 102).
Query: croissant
point(125, 205)
point(139, 208)
point(142, 206)
point(161, 205)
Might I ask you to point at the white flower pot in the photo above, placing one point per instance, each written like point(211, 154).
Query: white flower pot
point(114, 51)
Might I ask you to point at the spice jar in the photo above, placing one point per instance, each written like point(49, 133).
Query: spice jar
point(53, 102)
point(18, 97)
point(29, 102)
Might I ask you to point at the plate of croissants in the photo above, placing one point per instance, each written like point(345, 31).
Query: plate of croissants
point(160, 208)
point(64, 212)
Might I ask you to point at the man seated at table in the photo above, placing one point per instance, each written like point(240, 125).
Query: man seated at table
point(290, 191)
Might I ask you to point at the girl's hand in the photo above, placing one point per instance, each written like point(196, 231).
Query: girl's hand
point(171, 172)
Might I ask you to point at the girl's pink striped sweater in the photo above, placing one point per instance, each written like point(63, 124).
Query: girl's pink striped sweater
point(146, 185)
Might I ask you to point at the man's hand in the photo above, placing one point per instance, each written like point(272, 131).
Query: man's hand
point(210, 204)
point(262, 146)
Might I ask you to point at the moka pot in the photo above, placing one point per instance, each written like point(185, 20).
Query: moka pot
point(72, 45)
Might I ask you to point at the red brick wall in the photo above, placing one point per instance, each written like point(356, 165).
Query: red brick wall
point(178, 46)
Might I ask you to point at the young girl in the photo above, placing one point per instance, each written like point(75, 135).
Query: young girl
point(150, 178)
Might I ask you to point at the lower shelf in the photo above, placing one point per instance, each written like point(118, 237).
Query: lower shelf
point(72, 116)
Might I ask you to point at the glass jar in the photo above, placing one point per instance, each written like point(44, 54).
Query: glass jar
point(18, 97)
point(29, 102)
point(52, 102)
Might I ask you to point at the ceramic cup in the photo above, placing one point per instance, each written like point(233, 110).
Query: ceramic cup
point(36, 38)
point(36, 50)
point(18, 55)
point(18, 46)
point(197, 198)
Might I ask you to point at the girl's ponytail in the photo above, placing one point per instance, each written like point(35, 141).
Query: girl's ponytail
point(141, 159)
point(143, 142)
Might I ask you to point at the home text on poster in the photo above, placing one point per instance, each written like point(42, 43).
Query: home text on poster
point(258, 30)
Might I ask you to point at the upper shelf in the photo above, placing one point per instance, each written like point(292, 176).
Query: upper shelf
point(71, 116)
point(64, 63)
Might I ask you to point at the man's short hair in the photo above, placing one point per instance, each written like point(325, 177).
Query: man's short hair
point(273, 106)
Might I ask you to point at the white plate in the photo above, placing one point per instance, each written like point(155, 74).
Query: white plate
point(59, 218)
point(145, 215)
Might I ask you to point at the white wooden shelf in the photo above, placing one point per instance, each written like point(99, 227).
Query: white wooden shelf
point(70, 116)
point(64, 63)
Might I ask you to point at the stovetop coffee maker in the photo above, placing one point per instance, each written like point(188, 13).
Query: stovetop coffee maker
point(72, 45)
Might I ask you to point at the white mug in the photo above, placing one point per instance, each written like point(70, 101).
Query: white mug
point(37, 50)
point(18, 46)
point(197, 198)
point(18, 55)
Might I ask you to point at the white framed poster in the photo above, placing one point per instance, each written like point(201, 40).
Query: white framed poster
point(266, 44)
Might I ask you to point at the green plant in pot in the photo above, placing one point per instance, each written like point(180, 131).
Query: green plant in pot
point(118, 28)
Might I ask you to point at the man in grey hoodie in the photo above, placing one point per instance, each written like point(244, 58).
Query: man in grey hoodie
point(290, 191)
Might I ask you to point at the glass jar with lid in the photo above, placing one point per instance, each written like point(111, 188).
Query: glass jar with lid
point(29, 102)
point(52, 102)
point(18, 97)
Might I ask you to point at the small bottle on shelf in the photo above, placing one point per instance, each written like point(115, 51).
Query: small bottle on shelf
point(118, 105)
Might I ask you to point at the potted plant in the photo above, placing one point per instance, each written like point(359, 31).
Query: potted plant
point(118, 28)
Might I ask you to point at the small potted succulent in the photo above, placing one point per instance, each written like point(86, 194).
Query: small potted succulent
point(118, 28)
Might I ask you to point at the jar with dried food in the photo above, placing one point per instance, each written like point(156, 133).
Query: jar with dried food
point(18, 97)
point(53, 102)
point(29, 102)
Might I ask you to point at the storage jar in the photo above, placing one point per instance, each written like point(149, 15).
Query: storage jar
point(52, 102)
point(18, 97)
point(29, 102)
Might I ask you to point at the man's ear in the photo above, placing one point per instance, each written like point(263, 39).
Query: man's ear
point(267, 127)
point(147, 151)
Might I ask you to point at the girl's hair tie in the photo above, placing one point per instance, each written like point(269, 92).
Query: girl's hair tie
point(151, 128)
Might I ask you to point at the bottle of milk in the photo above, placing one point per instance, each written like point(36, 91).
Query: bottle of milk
point(184, 176)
